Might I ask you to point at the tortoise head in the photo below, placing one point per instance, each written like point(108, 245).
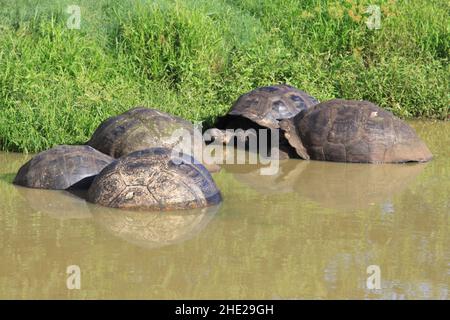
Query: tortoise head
point(293, 137)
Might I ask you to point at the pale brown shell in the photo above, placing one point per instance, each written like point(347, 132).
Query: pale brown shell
point(154, 179)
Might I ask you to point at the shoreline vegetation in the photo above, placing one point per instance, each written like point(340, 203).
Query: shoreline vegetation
point(193, 58)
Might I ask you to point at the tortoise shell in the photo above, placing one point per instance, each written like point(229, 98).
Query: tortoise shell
point(143, 128)
point(354, 131)
point(154, 179)
point(265, 106)
point(62, 167)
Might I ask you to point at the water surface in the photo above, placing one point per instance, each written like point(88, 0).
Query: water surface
point(309, 232)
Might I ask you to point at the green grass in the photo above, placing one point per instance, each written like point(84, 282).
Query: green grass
point(194, 58)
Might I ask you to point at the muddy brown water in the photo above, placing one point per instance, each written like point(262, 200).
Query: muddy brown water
point(309, 232)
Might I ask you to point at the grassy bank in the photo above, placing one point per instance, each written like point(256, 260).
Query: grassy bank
point(194, 58)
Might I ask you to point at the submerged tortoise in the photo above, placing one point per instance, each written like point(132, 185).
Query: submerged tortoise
point(142, 128)
point(263, 108)
point(154, 179)
point(62, 167)
point(353, 131)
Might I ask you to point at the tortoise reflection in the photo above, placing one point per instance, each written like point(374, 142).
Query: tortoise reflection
point(342, 186)
point(282, 182)
point(351, 186)
point(56, 203)
point(154, 229)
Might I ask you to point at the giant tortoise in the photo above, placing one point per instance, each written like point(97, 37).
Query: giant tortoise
point(263, 108)
point(142, 128)
point(62, 167)
point(353, 131)
point(154, 179)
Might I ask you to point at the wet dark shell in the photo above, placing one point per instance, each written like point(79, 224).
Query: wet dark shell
point(154, 179)
point(354, 131)
point(143, 128)
point(62, 167)
point(267, 105)
point(263, 108)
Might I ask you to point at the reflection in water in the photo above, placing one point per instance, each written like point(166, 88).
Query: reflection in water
point(145, 229)
point(296, 235)
point(55, 203)
point(282, 182)
point(347, 186)
point(353, 186)
point(154, 229)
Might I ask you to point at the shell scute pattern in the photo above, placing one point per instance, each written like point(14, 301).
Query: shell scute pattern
point(143, 128)
point(264, 108)
point(155, 179)
point(137, 129)
point(354, 131)
point(267, 105)
point(62, 167)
